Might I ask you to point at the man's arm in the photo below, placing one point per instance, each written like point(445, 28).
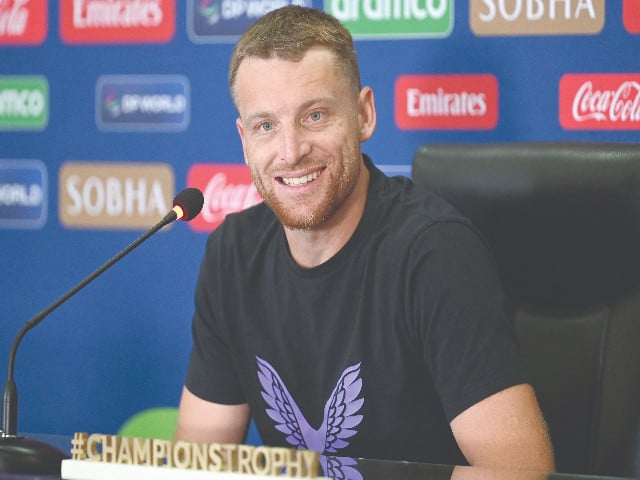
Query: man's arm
point(207, 422)
point(506, 429)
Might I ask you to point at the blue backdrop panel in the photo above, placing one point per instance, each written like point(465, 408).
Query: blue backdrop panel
point(122, 344)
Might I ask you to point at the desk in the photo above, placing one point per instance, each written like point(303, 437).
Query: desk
point(345, 468)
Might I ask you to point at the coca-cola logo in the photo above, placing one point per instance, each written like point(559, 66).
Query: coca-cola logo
point(226, 189)
point(599, 101)
point(23, 22)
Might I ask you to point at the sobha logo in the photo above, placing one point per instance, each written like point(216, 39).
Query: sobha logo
point(24, 103)
point(114, 195)
point(394, 18)
point(536, 17)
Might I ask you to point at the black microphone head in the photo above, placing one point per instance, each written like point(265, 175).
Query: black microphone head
point(190, 200)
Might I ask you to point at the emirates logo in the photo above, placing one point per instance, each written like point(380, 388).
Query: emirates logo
point(124, 21)
point(446, 102)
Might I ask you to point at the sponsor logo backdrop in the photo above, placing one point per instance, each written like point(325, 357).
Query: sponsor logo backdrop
point(107, 109)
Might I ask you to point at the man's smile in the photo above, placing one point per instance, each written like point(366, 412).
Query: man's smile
point(299, 181)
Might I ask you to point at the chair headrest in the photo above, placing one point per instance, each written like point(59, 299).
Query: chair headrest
point(562, 218)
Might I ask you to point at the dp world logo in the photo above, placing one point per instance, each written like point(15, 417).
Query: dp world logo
point(142, 102)
point(211, 21)
point(208, 11)
point(112, 104)
point(23, 194)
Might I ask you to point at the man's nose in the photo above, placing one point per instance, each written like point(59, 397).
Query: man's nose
point(294, 143)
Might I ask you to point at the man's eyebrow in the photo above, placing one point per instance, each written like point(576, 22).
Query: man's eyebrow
point(260, 115)
point(314, 101)
point(256, 116)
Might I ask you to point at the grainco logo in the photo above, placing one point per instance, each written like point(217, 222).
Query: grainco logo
point(117, 21)
point(23, 194)
point(631, 15)
point(24, 103)
point(226, 189)
point(225, 20)
point(394, 18)
point(536, 17)
point(23, 22)
point(151, 103)
point(114, 195)
point(453, 102)
point(600, 101)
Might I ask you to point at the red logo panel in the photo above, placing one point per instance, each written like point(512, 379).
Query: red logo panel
point(23, 22)
point(226, 189)
point(125, 21)
point(600, 101)
point(453, 102)
point(631, 15)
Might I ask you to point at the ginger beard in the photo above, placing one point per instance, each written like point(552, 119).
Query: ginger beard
point(306, 212)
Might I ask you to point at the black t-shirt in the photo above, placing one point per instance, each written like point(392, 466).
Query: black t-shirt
point(370, 354)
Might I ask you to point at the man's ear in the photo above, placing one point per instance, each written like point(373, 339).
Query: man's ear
point(366, 113)
point(240, 128)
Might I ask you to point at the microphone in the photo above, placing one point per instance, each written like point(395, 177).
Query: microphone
point(187, 204)
point(25, 455)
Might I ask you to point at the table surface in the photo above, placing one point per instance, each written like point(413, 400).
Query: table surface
point(346, 468)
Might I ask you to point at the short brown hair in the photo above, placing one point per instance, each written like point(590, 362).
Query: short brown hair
point(288, 33)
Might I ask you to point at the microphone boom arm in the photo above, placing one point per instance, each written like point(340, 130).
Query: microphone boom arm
point(10, 395)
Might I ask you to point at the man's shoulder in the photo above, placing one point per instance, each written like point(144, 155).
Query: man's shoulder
point(408, 206)
point(245, 228)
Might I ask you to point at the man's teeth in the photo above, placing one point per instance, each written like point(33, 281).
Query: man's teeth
point(300, 180)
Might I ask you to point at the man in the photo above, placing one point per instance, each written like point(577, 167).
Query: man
point(350, 313)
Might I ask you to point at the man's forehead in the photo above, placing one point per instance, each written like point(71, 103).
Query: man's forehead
point(317, 53)
point(312, 71)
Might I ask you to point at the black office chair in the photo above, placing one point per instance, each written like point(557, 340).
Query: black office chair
point(563, 221)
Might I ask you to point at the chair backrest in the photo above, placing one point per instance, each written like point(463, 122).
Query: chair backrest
point(563, 222)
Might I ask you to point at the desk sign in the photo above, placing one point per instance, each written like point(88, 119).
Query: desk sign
point(99, 456)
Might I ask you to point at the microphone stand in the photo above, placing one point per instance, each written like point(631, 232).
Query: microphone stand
point(23, 455)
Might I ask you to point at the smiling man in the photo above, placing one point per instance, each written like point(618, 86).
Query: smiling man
point(351, 313)
point(303, 147)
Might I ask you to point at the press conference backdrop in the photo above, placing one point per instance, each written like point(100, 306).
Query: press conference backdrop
point(108, 108)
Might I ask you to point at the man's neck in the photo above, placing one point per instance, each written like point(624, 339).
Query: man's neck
point(310, 248)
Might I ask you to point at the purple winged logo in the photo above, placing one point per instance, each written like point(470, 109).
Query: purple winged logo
point(340, 410)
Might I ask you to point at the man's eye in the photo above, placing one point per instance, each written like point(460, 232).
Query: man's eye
point(266, 126)
point(316, 116)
